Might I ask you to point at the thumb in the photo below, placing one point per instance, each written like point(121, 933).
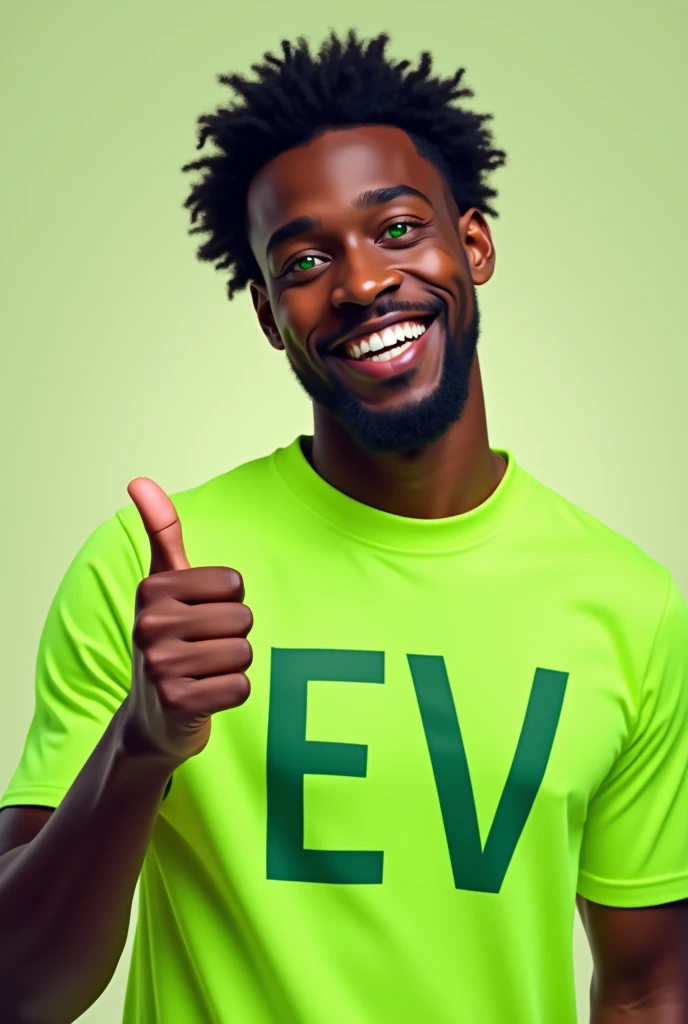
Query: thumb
point(162, 525)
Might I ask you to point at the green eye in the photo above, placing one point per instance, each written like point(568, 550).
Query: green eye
point(303, 263)
point(398, 230)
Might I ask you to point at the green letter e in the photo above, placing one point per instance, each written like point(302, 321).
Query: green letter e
point(290, 756)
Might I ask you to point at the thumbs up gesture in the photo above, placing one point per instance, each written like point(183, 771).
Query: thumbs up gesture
point(189, 647)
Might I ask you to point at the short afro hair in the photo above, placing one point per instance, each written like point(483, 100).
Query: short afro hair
point(348, 83)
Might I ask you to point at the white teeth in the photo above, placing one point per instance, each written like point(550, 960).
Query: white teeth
point(390, 338)
point(390, 353)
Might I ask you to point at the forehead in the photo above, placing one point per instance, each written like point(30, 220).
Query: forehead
point(323, 176)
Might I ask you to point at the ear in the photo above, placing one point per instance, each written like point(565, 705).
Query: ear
point(261, 304)
point(475, 235)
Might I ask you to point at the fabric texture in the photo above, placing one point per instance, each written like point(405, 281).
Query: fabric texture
point(454, 726)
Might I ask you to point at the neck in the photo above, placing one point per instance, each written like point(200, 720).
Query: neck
point(452, 475)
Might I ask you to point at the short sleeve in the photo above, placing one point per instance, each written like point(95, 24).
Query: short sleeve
point(83, 666)
point(635, 840)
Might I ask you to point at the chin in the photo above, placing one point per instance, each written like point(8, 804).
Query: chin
point(411, 425)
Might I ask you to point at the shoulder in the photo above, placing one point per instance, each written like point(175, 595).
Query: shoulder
point(612, 568)
point(239, 503)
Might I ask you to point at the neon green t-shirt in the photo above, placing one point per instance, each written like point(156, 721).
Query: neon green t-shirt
point(454, 726)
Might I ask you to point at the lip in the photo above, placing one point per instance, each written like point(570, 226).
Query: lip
point(366, 369)
point(374, 326)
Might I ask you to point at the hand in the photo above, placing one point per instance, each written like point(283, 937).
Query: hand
point(190, 650)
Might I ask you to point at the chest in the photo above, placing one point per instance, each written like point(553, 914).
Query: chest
point(401, 708)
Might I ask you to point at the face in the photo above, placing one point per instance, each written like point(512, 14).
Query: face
point(370, 273)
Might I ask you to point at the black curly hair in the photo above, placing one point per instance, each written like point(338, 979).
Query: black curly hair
point(347, 84)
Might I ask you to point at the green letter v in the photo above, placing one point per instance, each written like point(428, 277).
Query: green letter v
point(474, 868)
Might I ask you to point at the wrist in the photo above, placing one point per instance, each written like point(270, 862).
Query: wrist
point(134, 745)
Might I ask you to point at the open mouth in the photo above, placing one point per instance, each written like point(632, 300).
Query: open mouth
point(384, 345)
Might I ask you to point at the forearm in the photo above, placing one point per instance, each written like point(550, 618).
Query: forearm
point(666, 1009)
point(65, 897)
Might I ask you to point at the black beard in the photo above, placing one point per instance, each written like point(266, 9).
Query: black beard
point(414, 424)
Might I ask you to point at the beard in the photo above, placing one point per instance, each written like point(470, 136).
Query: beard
point(413, 424)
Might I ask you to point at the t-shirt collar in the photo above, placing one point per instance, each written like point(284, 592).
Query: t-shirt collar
point(383, 529)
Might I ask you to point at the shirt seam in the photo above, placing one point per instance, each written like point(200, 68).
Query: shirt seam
point(641, 699)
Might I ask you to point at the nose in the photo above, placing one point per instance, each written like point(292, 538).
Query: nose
point(364, 275)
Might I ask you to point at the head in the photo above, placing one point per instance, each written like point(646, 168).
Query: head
point(349, 195)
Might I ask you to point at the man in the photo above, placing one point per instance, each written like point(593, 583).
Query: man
point(408, 851)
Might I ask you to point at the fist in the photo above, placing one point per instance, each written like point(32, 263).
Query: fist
point(189, 646)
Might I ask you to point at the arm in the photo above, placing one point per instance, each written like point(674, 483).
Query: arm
point(635, 839)
point(65, 896)
point(640, 959)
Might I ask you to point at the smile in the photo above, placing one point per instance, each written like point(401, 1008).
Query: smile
point(382, 346)
point(399, 353)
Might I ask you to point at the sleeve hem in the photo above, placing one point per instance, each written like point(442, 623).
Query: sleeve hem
point(652, 892)
point(47, 796)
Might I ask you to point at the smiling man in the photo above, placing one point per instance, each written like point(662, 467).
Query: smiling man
point(469, 698)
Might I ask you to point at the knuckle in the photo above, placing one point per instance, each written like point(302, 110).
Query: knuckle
point(171, 696)
point(153, 590)
point(138, 634)
point(141, 596)
point(144, 628)
point(155, 661)
point(147, 589)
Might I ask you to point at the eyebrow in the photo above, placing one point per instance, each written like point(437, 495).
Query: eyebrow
point(365, 201)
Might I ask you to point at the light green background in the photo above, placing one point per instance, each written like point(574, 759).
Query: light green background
point(122, 357)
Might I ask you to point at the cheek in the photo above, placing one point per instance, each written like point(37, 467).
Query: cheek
point(296, 317)
point(292, 315)
point(440, 264)
point(294, 336)
point(289, 324)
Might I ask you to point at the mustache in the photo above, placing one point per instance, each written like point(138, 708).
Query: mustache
point(382, 308)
